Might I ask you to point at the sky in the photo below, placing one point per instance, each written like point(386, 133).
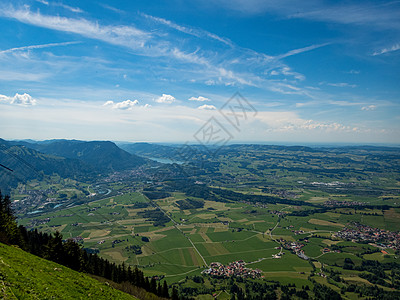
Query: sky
point(201, 71)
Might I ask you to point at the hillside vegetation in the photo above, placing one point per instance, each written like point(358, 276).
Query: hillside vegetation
point(26, 276)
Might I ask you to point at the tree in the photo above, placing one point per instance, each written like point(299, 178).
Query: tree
point(165, 292)
point(54, 250)
point(9, 232)
point(175, 295)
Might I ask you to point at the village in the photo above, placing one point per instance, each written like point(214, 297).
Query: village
point(359, 232)
point(236, 268)
point(295, 247)
point(336, 203)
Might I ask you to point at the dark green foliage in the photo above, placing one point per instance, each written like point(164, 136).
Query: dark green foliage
point(135, 249)
point(154, 195)
point(324, 292)
point(156, 216)
point(9, 233)
point(190, 203)
point(140, 205)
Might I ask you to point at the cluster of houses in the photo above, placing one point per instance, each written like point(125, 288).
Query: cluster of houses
point(360, 232)
point(295, 247)
point(335, 203)
point(278, 212)
point(254, 204)
point(37, 222)
point(236, 268)
point(327, 250)
point(77, 239)
point(333, 183)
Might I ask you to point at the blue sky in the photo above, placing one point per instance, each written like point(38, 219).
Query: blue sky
point(320, 71)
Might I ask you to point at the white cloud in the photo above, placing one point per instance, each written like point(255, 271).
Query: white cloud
point(124, 105)
point(165, 99)
point(291, 122)
point(200, 98)
point(353, 72)
point(207, 107)
point(387, 50)
point(19, 99)
point(4, 98)
point(210, 82)
point(369, 107)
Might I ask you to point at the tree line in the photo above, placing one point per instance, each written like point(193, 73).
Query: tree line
point(71, 254)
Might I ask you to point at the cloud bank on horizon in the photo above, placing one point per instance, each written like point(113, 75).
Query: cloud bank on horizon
point(315, 72)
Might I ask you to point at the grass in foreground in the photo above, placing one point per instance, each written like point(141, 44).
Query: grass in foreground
point(25, 276)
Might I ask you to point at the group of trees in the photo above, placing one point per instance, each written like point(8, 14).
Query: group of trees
point(156, 216)
point(190, 203)
point(70, 253)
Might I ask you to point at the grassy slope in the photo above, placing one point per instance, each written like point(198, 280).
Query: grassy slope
point(25, 276)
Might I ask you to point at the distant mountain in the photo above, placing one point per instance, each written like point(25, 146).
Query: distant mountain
point(101, 155)
point(67, 158)
point(149, 150)
point(21, 163)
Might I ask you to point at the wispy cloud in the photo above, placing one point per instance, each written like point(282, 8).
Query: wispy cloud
point(119, 35)
point(37, 47)
point(247, 68)
point(301, 50)
point(369, 107)
point(342, 84)
point(119, 11)
point(200, 33)
point(354, 72)
point(70, 8)
point(379, 15)
point(43, 2)
point(395, 47)
point(10, 75)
